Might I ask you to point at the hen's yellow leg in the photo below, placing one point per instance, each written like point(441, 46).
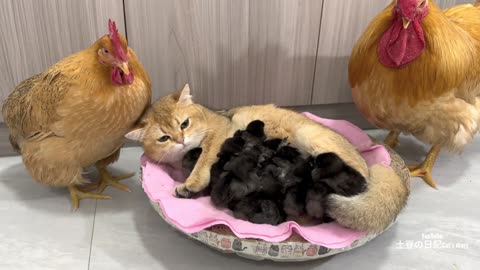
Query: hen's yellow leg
point(392, 139)
point(424, 169)
point(77, 194)
point(106, 179)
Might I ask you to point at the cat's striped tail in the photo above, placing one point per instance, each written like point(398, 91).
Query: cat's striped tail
point(374, 209)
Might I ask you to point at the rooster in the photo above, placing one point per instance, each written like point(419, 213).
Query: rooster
point(415, 70)
point(75, 114)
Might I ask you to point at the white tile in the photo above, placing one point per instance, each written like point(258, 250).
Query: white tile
point(129, 234)
point(38, 229)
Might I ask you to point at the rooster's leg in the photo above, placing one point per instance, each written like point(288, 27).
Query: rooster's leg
point(77, 194)
point(106, 179)
point(424, 169)
point(392, 139)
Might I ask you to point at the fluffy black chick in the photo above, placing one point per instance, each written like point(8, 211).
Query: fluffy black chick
point(337, 175)
point(258, 211)
point(189, 161)
point(315, 200)
point(263, 181)
point(294, 201)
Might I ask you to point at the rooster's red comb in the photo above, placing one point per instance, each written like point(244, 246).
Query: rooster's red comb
point(115, 38)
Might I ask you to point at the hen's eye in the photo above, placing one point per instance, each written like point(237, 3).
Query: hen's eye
point(164, 138)
point(105, 51)
point(422, 4)
point(185, 124)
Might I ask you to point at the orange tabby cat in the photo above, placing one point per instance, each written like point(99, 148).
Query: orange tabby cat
point(174, 125)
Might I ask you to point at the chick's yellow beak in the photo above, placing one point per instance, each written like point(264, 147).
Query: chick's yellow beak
point(406, 22)
point(124, 67)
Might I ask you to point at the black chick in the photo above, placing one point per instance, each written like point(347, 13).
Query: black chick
point(266, 185)
point(242, 165)
point(296, 196)
point(288, 153)
point(337, 175)
point(284, 172)
point(294, 202)
point(219, 190)
point(189, 161)
point(258, 211)
point(254, 134)
point(274, 144)
point(233, 145)
point(315, 200)
point(263, 181)
point(257, 129)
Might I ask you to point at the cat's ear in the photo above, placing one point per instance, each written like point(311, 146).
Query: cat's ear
point(183, 96)
point(137, 133)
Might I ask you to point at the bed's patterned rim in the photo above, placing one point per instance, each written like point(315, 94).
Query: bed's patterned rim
point(293, 249)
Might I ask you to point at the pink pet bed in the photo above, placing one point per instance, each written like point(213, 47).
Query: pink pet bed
point(289, 241)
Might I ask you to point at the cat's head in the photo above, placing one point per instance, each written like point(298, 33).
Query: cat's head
point(173, 126)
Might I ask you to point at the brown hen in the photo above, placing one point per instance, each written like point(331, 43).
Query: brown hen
point(75, 114)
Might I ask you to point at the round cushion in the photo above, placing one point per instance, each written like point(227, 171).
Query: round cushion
point(289, 241)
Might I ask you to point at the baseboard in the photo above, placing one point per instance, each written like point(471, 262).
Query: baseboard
point(345, 111)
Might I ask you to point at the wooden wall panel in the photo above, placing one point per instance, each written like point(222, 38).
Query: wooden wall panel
point(37, 33)
point(342, 24)
point(231, 52)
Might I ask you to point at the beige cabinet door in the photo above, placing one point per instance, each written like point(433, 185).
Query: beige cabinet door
point(342, 24)
point(34, 34)
point(231, 52)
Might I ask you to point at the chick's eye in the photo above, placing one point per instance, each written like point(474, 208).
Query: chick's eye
point(164, 138)
point(185, 124)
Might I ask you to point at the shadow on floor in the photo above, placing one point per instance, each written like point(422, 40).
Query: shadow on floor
point(18, 182)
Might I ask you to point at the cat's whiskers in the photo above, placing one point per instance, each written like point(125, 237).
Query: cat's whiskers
point(165, 154)
point(194, 140)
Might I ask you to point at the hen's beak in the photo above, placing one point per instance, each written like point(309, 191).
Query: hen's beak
point(406, 22)
point(124, 67)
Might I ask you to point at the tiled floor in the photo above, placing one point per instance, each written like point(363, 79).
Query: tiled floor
point(38, 230)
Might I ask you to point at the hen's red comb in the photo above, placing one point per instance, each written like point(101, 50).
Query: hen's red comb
point(117, 45)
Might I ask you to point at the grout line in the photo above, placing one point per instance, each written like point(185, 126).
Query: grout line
point(93, 231)
point(316, 53)
point(125, 19)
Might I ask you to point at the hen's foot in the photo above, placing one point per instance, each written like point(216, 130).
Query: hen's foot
point(392, 139)
point(106, 179)
point(424, 169)
point(87, 187)
point(77, 194)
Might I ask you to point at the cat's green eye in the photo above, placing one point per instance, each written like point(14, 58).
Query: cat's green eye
point(164, 138)
point(185, 124)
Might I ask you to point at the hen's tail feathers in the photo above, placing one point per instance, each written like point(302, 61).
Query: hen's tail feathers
point(376, 208)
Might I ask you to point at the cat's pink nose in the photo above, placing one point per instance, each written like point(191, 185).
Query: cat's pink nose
point(181, 141)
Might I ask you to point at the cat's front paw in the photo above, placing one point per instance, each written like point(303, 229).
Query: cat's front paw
point(181, 191)
point(193, 186)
